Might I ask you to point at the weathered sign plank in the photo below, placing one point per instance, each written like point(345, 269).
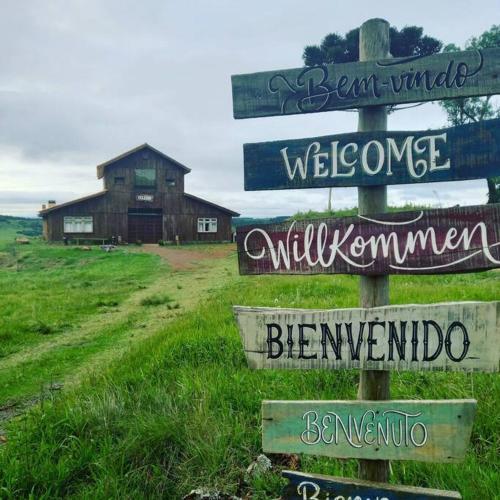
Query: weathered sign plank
point(307, 486)
point(451, 336)
point(359, 84)
point(375, 158)
point(459, 239)
point(429, 431)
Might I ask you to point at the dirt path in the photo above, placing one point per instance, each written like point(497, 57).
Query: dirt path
point(182, 258)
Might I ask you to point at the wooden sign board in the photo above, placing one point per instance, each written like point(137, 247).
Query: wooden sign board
point(375, 158)
point(429, 431)
point(451, 336)
point(460, 239)
point(308, 486)
point(359, 84)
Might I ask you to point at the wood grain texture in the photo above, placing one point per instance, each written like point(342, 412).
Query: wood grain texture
point(375, 158)
point(371, 83)
point(302, 485)
point(457, 336)
point(459, 239)
point(428, 431)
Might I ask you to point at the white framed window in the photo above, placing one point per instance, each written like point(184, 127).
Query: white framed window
point(78, 224)
point(207, 225)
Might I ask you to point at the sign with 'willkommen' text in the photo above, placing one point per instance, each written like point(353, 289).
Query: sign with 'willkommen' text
point(460, 239)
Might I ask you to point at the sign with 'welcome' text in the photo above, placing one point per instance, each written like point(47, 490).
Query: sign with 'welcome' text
point(375, 158)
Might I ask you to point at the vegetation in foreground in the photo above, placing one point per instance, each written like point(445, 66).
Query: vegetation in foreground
point(181, 410)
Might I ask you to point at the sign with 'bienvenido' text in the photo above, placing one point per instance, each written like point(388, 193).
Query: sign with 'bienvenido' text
point(451, 336)
point(429, 431)
point(303, 486)
point(460, 239)
point(375, 158)
point(358, 84)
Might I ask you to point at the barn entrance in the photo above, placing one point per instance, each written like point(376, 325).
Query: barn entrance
point(145, 225)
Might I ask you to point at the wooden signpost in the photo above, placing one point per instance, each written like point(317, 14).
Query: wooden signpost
point(375, 158)
point(455, 336)
point(428, 431)
point(308, 486)
point(425, 242)
point(371, 83)
point(374, 244)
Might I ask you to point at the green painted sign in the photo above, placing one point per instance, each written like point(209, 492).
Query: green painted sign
point(428, 431)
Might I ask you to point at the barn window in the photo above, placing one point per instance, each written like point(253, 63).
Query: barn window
point(207, 225)
point(145, 177)
point(119, 180)
point(78, 224)
point(169, 181)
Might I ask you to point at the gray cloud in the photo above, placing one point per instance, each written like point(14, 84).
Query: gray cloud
point(83, 81)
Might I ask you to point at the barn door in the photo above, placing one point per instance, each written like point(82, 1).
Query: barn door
point(145, 225)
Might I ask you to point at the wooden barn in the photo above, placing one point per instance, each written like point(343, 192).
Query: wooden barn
point(142, 200)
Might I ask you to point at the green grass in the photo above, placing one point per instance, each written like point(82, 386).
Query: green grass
point(47, 292)
point(181, 409)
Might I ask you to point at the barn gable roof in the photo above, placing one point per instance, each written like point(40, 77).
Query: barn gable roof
point(201, 200)
point(102, 166)
point(72, 202)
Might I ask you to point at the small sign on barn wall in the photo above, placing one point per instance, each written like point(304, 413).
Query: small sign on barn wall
point(355, 85)
point(460, 239)
point(451, 336)
point(144, 197)
point(375, 158)
point(308, 486)
point(428, 431)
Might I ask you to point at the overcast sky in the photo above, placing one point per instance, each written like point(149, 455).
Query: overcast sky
point(82, 81)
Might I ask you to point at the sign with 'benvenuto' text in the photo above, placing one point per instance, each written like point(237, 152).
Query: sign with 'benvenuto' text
point(375, 158)
point(460, 239)
point(429, 431)
point(450, 336)
point(358, 84)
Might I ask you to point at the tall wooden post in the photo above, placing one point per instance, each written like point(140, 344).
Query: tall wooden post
point(374, 290)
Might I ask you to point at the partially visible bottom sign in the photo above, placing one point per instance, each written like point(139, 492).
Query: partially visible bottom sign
point(309, 486)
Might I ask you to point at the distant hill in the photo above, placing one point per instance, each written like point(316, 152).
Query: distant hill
point(11, 227)
point(314, 214)
point(248, 221)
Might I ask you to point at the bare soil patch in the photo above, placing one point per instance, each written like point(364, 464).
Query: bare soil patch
point(181, 259)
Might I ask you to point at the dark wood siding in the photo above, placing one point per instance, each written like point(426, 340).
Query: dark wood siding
point(110, 211)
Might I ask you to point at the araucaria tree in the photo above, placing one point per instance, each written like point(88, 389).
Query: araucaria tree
point(335, 48)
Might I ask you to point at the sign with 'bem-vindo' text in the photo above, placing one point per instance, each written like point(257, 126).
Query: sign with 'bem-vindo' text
point(375, 158)
point(355, 85)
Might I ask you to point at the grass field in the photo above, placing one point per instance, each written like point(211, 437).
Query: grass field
point(177, 408)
